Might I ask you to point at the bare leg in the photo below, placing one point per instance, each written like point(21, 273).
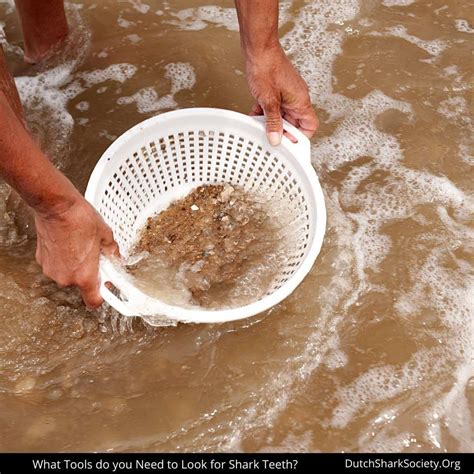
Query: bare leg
point(8, 88)
point(44, 26)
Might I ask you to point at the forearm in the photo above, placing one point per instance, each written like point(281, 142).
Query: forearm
point(27, 169)
point(258, 20)
point(44, 26)
point(279, 90)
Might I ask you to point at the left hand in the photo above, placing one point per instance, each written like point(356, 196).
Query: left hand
point(69, 245)
point(280, 93)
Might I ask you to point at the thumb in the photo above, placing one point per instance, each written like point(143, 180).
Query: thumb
point(273, 120)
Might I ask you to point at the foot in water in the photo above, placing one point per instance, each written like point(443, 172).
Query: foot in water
point(44, 26)
point(42, 52)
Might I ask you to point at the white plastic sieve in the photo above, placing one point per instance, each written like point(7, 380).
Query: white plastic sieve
point(165, 157)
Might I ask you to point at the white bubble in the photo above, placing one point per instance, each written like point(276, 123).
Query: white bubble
point(433, 47)
point(123, 23)
point(83, 106)
point(115, 72)
point(147, 101)
point(182, 77)
point(335, 359)
point(139, 6)
point(379, 384)
point(463, 26)
point(48, 93)
point(134, 38)
point(397, 3)
point(200, 17)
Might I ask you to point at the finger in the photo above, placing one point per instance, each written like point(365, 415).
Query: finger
point(289, 118)
point(290, 137)
point(308, 122)
point(293, 122)
point(107, 235)
point(90, 292)
point(38, 254)
point(87, 279)
point(256, 110)
point(273, 121)
point(109, 247)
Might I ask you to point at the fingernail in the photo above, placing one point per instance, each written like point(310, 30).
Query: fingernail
point(274, 138)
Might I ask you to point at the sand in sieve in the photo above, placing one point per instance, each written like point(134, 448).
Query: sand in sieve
point(218, 247)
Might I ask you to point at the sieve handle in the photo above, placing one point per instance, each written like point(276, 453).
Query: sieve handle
point(302, 148)
point(121, 306)
point(115, 302)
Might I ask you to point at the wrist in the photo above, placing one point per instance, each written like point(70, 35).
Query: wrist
point(255, 53)
point(55, 205)
point(265, 59)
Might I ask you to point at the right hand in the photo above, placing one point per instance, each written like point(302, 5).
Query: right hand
point(280, 93)
point(69, 246)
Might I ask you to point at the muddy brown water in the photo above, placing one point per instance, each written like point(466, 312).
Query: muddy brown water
point(372, 352)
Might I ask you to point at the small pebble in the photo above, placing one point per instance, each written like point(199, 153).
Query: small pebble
point(25, 385)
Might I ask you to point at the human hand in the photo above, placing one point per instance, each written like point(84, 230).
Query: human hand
point(69, 245)
point(280, 92)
